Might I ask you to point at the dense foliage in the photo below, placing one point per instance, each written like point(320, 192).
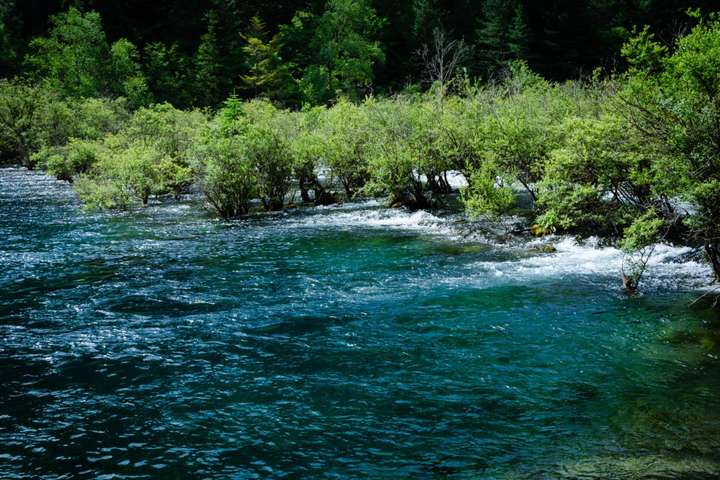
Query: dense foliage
point(633, 157)
point(199, 53)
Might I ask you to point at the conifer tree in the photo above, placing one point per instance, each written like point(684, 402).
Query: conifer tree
point(267, 73)
point(347, 50)
point(518, 34)
point(503, 33)
point(208, 65)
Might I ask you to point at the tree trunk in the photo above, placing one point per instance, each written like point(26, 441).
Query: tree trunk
point(304, 189)
point(712, 248)
point(526, 185)
point(273, 204)
point(348, 190)
point(629, 284)
point(25, 156)
point(421, 201)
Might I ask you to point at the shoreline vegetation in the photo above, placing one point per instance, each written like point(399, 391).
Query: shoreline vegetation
point(631, 157)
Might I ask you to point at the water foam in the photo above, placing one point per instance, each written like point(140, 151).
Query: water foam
point(668, 267)
point(368, 215)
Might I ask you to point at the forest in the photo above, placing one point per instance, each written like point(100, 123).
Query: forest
point(197, 53)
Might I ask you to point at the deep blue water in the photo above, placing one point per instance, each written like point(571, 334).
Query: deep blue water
point(350, 342)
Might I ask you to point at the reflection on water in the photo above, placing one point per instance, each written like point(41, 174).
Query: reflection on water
point(348, 342)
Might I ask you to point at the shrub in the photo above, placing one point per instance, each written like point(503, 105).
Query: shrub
point(306, 147)
point(672, 100)
point(94, 118)
point(35, 122)
point(166, 128)
point(270, 154)
point(228, 179)
point(522, 132)
point(101, 194)
point(75, 158)
point(487, 193)
point(135, 172)
point(591, 182)
point(30, 118)
point(165, 135)
point(150, 155)
point(265, 134)
point(393, 157)
point(75, 146)
point(427, 120)
point(345, 133)
point(464, 130)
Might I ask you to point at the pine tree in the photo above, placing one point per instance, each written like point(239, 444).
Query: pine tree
point(171, 74)
point(425, 19)
point(7, 50)
point(267, 73)
point(207, 84)
point(492, 34)
point(347, 50)
point(517, 34)
point(503, 33)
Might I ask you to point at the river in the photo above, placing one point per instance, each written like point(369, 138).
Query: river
point(339, 342)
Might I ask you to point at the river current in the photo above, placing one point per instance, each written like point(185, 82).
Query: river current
point(340, 342)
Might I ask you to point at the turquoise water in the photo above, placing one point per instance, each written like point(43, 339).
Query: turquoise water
point(350, 342)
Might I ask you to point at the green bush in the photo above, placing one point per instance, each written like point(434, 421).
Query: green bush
point(102, 194)
point(228, 178)
point(138, 171)
point(427, 120)
point(150, 155)
point(393, 158)
point(522, 132)
point(464, 129)
point(36, 123)
point(265, 134)
point(30, 118)
point(135, 171)
point(270, 154)
point(672, 101)
point(75, 146)
point(94, 118)
point(170, 130)
point(590, 182)
point(487, 193)
point(345, 135)
point(75, 158)
point(306, 146)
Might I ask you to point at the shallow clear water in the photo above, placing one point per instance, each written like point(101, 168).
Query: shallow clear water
point(350, 342)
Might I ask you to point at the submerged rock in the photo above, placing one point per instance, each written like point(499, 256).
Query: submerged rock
point(544, 249)
point(645, 467)
point(462, 249)
point(503, 230)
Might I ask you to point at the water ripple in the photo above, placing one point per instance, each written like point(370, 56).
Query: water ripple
point(342, 342)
